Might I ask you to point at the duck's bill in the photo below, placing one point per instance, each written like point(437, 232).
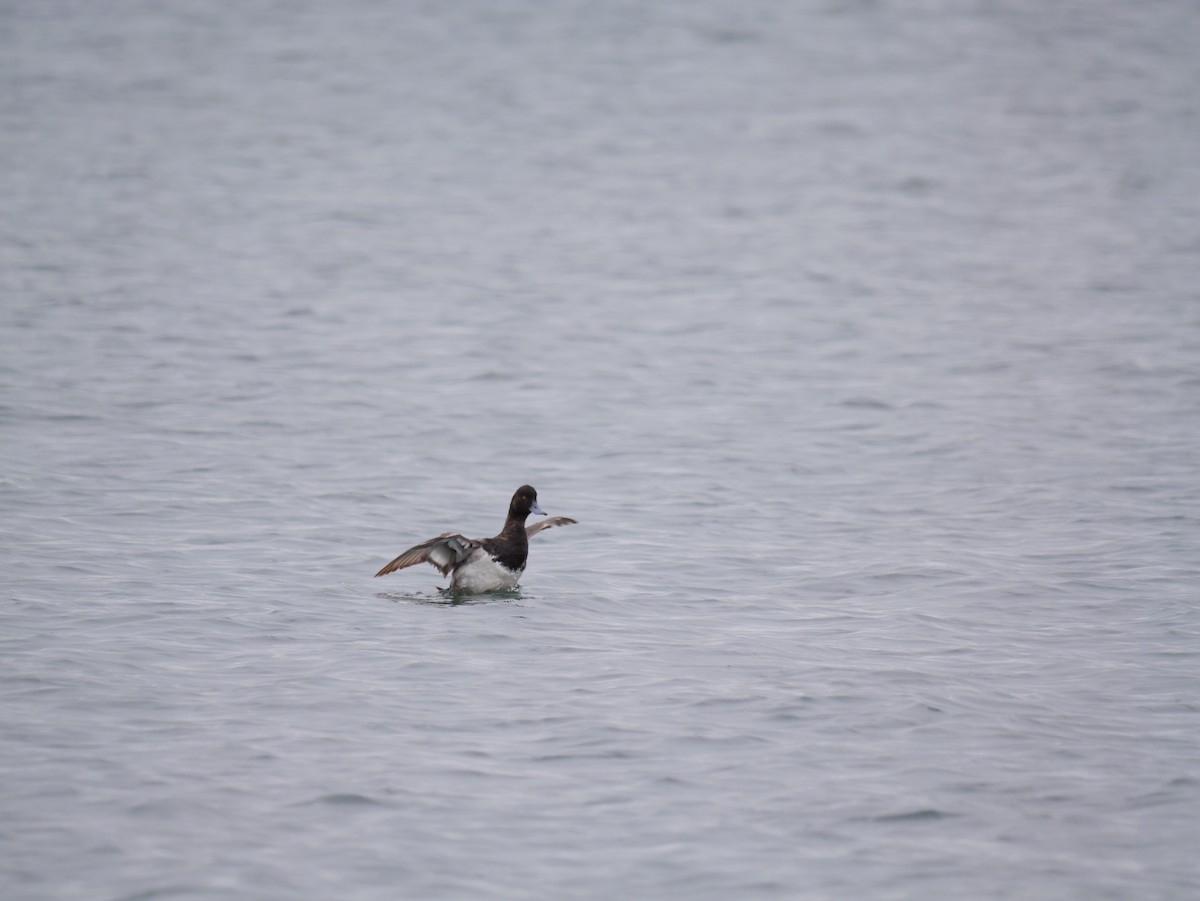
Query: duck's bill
point(536, 509)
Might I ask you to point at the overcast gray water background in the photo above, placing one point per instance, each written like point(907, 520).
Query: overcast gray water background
point(862, 338)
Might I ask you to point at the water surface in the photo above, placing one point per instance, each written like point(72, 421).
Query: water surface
point(861, 339)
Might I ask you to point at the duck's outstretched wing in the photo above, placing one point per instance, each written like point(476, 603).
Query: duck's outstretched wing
point(550, 523)
point(445, 552)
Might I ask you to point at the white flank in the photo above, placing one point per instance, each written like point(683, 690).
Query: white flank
point(482, 573)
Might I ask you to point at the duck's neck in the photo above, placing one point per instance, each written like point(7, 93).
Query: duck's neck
point(514, 526)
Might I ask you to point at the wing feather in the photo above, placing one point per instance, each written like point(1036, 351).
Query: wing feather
point(550, 523)
point(444, 552)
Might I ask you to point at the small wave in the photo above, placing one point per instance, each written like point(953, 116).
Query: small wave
point(342, 799)
point(867, 403)
point(447, 598)
point(166, 891)
point(914, 816)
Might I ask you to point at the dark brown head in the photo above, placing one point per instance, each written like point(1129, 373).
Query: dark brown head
point(523, 503)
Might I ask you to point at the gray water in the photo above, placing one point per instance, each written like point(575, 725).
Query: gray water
point(862, 339)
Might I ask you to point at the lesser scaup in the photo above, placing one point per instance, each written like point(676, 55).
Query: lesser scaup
point(483, 564)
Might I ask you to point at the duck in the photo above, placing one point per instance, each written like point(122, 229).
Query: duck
point(484, 564)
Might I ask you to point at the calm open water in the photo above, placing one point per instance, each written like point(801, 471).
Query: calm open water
point(862, 338)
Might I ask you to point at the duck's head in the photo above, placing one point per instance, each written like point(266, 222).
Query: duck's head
point(524, 502)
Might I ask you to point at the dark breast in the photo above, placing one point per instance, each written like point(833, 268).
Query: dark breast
point(511, 551)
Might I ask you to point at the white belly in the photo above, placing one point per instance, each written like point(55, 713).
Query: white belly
point(482, 573)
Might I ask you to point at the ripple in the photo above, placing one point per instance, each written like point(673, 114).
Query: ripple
point(922, 815)
point(167, 891)
point(343, 799)
point(447, 598)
